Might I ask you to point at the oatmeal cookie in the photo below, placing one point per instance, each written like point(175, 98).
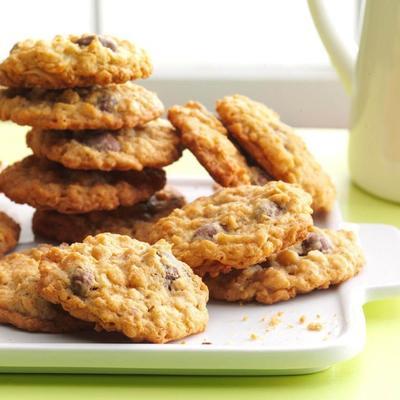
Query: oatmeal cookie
point(135, 221)
point(204, 135)
point(237, 226)
point(153, 145)
point(276, 147)
point(110, 107)
point(9, 233)
point(127, 286)
point(74, 61)
point(47, 185)
point(20, 303)
point(323, 259)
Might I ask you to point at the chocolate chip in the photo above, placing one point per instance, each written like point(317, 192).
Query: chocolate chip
point(85, 40)
point(109, 43)
point(82, 281)
point(101, 142)
point(315, 241)
point(269, 208)
point(106, 103)
point(207, 232)
point(106, 42)
point(171, 273)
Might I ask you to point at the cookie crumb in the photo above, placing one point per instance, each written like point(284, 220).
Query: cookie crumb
point(275, 319)
point(206, 342)
point(314, 326)
point(289, 326)
point(318, 316)
point(253, 336)
point(245, 318)
point(183, 342)
point(302, 319)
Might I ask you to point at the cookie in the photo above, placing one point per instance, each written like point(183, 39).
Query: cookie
point(47, 185)
point(20, 303)
point(276, 148)
point(9, 233)
point(135, 221)
point(153, 145)
point(237, 226)
point(74, 61)
point(204, 135)
point(127, 286)
point(323, 259)
point(110, 107)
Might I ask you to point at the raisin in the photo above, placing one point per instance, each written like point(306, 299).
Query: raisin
point(102, 142)
point(82, 281)
point(207, 232)
point(315, 241)
point(106, 103)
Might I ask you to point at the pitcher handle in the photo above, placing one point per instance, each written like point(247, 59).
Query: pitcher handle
point(341, 54)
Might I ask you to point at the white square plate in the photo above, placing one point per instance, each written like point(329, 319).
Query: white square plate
point(239, 340)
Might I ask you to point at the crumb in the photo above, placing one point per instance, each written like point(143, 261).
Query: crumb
point(240, 304)
point(253, 336)
point(275, 320)
point(280, 313)
point(206, 342)
point(302, 319)
point(318, 316)
point(245, 318)
point(183, 342)
point(290, 326)
point(325, 338)
point(314, 326)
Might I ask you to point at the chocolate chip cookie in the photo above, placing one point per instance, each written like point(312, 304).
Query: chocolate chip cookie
point(135, 221)
point(110, 107)
point(9, 233)
point(127, 286)
point(47, 185)
point(237, 227)
point(323, 259)
point(204, 135)
point(74, 61)
point(153, 145)
point(20, 303)
point(276, 147)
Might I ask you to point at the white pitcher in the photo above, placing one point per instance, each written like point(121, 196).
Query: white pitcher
point(372, 78)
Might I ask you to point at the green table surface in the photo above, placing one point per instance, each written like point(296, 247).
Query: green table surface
point(374, 374)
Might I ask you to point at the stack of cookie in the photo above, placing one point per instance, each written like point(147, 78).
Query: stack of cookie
point(256, 243)
point(98, 140)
